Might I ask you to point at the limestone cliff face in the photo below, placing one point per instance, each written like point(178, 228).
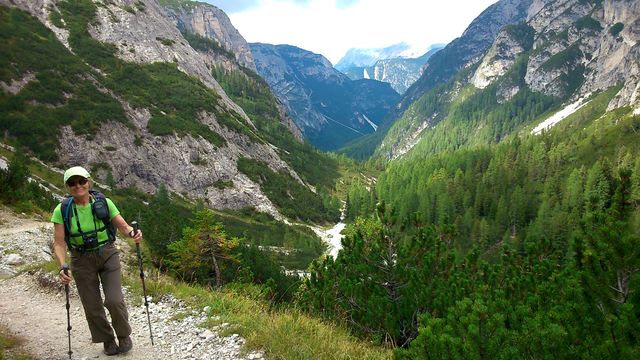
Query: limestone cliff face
point(210, 22)
point(565, 49)
point(187, 164)
point(510, 42)
point(466, 50)
point(579, 47)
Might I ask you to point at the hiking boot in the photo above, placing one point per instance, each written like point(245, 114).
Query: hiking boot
point(125, 344)
point(110, 347)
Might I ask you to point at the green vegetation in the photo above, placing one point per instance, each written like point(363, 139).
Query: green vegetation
point(18, 192)
point(527, 248)
point(204, 44)
point(165, 42)
point(10, 347)
point(522, 33)
point(179, 4)
point(478, 118)
point(295, 200)
point(56, 19)
point(567, 57)
point(222, 184)
point(616, 29)
point(177, 99)
point(589, 23)
point(36, 112)
point(140, 5)
point(129, 9)
point(252, 93)
point(68, 92)
point(264, 231)
point(283, 333)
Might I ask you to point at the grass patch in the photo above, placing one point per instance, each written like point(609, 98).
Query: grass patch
point(165, 41)
point(262, 229)
point(282, 333)
point(62, 93)
point(10, 346)
point(223, 184)
point(616, 29)
point(292, 198)
point(566, 57)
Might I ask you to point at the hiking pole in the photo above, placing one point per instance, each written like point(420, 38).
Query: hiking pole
point(65, 268)
point(144, 289)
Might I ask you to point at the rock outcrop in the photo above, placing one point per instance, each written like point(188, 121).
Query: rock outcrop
point(399, 72)
point(566, 50)
point(580, 47)
point(188, 164)
point(210, 22)
point(466, 50)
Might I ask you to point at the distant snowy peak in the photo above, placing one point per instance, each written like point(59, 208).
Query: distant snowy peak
point(367, 57)
point(400, 68)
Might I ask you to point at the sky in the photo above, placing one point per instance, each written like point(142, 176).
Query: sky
point(331, 27)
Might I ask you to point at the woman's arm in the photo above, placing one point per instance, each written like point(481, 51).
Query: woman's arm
point(125, 229)
point(60, 250)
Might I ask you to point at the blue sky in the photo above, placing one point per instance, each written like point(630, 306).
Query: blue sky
point(331, 27)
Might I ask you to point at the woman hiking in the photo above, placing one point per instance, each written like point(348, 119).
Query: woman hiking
point(85, 224)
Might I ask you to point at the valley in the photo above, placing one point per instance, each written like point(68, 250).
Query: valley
point(481, 200)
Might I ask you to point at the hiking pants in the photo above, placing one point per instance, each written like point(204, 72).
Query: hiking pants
point(89, 270)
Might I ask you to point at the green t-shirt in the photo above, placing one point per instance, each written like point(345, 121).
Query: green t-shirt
point(87, 223)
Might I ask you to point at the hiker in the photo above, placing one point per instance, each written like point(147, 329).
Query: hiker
point(85, 224)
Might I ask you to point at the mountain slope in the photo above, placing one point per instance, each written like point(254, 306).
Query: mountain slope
point(507, 217)
point(563, 53)
point(459, 54)
point(329, 108)
point(358, 58)
point(118, 88)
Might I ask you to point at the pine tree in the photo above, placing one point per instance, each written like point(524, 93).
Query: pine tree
point(204, 250)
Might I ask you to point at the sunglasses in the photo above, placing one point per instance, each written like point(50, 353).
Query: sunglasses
point(74, 182)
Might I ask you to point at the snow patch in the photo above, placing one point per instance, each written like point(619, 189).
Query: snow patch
point(374, 126)
point(333, 236)
point(560, 115)
point(365, 74)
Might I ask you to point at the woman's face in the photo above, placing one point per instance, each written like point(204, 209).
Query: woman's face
point(78, 186)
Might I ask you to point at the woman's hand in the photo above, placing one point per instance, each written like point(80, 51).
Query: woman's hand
point(65, 279)
point(136, 235)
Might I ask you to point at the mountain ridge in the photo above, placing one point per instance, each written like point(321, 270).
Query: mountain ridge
point(329, 107)
point(168, 105)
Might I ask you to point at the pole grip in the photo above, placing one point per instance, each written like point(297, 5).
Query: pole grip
point(134, 224)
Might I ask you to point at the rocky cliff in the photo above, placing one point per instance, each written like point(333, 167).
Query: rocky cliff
point(579, 48)
point(564, 50)
point(399, 72)
point(210, 22)
point(466, 50)
point(330, 108)
point(138, 35)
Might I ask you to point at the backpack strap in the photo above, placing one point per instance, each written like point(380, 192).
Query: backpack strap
point(65, 208)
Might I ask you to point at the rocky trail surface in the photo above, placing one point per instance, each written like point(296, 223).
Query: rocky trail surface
point(32, 308)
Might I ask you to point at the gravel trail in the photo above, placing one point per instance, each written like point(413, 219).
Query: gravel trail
point(32, 307)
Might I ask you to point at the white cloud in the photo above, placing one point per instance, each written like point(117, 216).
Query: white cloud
point(318, 26)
